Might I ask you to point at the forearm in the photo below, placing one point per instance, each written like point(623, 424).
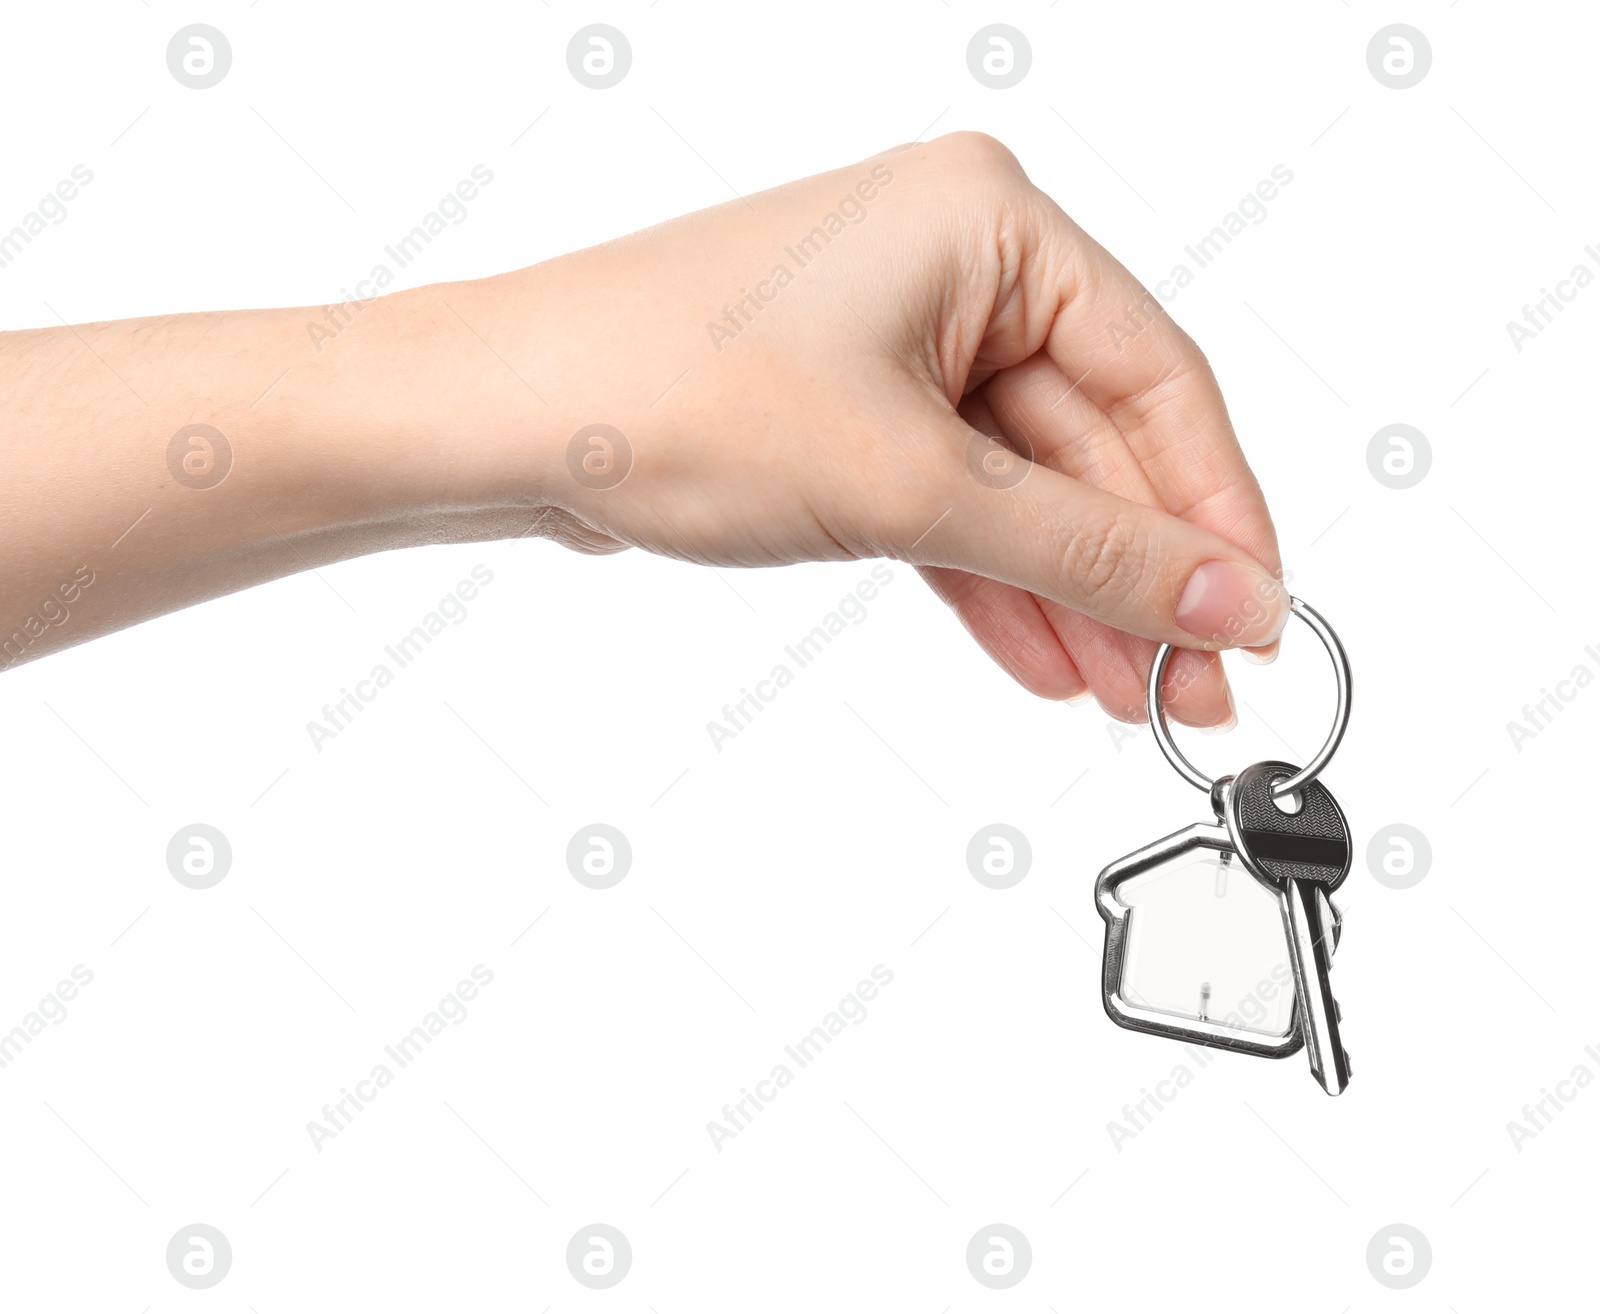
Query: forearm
point(115, 508)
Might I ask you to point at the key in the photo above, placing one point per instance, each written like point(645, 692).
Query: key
point(1304, 854)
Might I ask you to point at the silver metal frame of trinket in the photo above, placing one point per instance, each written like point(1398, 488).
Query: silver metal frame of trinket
point(1124, 1012)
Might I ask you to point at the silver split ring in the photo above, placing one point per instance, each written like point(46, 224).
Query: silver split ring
point(1307, 773)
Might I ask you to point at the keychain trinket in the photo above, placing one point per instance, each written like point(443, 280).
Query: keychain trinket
point(1222, 934)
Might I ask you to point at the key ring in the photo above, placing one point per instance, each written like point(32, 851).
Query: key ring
point(1307, 773)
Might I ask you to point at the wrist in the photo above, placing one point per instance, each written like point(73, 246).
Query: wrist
point(415, 418)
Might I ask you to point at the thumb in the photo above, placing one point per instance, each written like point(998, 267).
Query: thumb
point(1128, 565)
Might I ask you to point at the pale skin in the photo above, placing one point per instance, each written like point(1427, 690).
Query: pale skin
point(949, 316)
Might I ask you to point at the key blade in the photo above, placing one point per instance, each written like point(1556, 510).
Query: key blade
point(1311, 935)
point(1330, 916)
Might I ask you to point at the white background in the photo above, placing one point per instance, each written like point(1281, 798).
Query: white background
point(831, 835)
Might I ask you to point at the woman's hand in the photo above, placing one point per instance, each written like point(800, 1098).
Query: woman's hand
point(910, 357)
point(850, 366)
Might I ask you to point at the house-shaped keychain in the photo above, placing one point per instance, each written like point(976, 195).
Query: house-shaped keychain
point(1195, 947)
point(1223, 933)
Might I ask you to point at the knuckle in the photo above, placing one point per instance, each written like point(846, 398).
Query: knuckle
point(1103, 563)
point(978, 152)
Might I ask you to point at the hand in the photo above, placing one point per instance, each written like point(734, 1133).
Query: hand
point(847, 366)
point(859, 358)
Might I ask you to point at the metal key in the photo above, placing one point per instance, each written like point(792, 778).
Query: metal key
point(1304, 855)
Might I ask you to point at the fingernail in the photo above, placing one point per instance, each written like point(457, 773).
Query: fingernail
point(1078, 700)
point(1262, 656)
point(1233, 605)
